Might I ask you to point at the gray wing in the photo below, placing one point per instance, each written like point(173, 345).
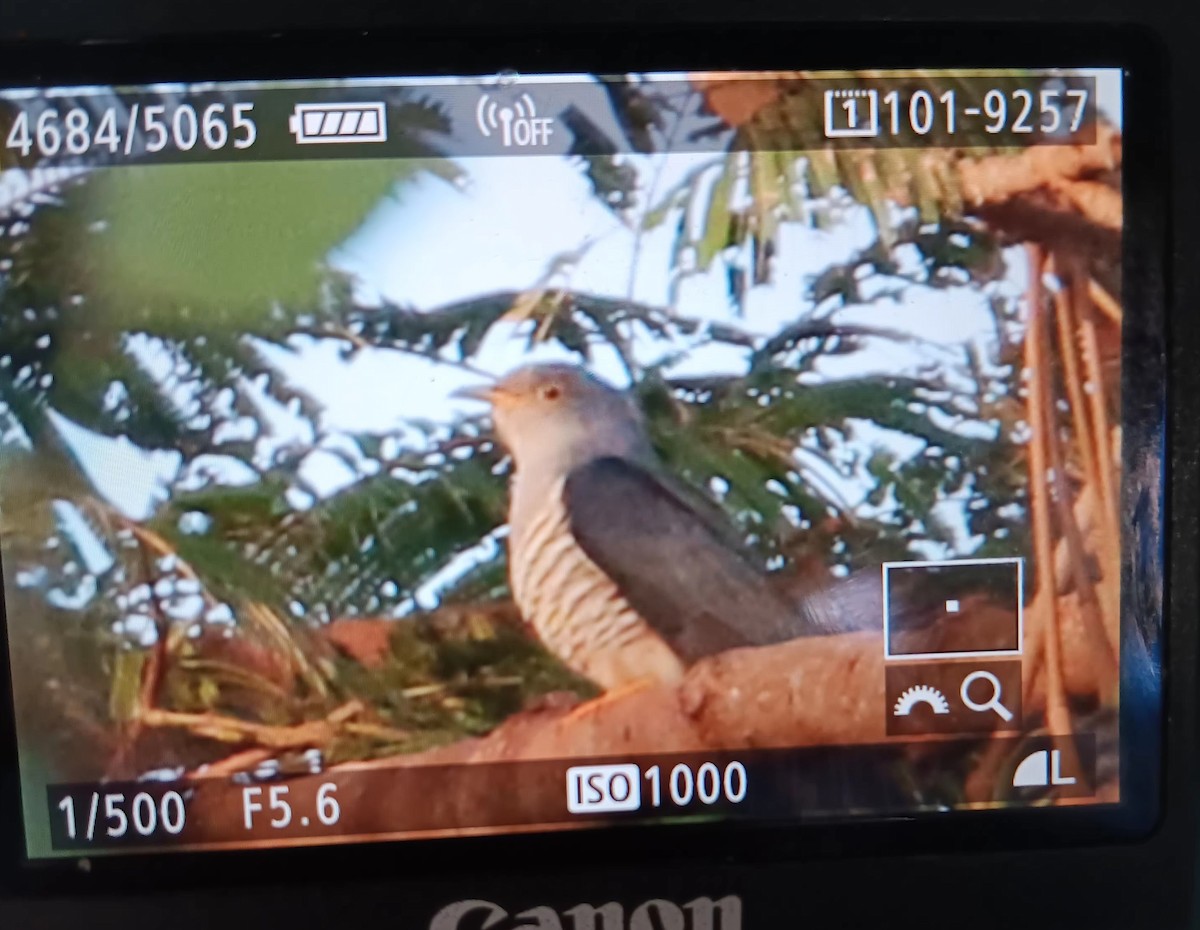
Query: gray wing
point(845, 605)
point(671, 565)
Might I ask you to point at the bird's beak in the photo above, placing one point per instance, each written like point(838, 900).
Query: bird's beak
point(481, 392)
point(488, 393)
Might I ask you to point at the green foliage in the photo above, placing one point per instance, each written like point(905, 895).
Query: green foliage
point(201, 266)
point(180, 269)
point(197, 259)
point(717, 218)
point(792, 173)
point(746, 432)
point(919, 176)
point(443, 680)
point(64, 718)
point(362, 551)
point(163, 251)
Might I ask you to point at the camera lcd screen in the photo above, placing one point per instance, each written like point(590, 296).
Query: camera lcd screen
point(428, 457)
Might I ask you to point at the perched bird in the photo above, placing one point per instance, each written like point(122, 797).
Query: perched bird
point(623, 575)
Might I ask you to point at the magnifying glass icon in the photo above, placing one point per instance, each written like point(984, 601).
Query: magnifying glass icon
point(993, 702)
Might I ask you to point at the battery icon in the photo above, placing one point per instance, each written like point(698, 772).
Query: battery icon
point(324, 123)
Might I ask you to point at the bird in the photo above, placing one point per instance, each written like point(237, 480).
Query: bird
point(623, 573)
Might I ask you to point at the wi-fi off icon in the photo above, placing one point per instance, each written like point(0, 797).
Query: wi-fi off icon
point(518, 123)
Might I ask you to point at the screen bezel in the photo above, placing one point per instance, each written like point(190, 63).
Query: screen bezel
point(606, 50)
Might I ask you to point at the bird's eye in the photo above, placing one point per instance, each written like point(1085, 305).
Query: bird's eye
point(551, 392)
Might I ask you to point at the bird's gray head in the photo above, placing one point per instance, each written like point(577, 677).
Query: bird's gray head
point(554, 417)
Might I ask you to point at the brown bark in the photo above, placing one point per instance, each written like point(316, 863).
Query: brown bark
point(998, 178)
point(1043, 613)
point(1101, 204)
point(234, 730)
point(814, 691)
point(1105, 453)
point(366, 640)
point(1038, 217)
point(1105, 302)
point(1101, 650)
point(737, 101)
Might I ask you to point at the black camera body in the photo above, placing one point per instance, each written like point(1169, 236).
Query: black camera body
point(208, 805)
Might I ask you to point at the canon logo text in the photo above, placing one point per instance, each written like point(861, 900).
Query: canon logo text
point(655, 914)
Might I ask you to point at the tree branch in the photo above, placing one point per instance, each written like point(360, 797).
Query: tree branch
point(234, 730)
point(996, 178)
point(826, 690)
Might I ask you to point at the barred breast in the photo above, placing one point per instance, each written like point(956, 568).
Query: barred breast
point(576, 609)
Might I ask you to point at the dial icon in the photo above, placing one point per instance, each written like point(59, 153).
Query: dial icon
point(921, 694)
